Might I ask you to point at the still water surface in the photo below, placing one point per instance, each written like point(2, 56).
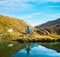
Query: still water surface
point(39, 50)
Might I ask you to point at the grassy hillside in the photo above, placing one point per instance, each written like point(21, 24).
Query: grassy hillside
point(12, 23)
point(15, 29)
point(11, 28)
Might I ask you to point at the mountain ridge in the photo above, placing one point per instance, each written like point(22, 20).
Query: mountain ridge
point(51, 26)
point(49, 23)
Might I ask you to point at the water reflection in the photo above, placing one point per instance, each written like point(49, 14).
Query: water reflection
point(53, 46)
point(28, 48)
point(36, 50)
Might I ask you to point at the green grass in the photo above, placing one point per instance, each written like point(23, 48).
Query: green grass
point(7, 51)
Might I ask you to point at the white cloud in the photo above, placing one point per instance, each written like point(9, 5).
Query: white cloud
point(18, 2)
point(3, 1)
point(53, 16)
point(33, 15)
point(15, 4)
point(56, 15)
point(47, 18)
point(22, 4)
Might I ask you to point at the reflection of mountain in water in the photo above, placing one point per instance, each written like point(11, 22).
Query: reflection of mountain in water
point(28, 47)
point(36, 50)
point(55, 47)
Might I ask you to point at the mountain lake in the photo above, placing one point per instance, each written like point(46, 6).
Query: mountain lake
point(15, 49)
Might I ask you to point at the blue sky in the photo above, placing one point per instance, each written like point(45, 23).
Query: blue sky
point(34, 12)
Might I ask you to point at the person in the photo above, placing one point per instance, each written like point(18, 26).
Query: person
point(28, 30)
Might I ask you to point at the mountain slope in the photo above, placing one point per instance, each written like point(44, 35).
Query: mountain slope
point(49, 23)
point(12, 27)
point(13, 23)
point(51, 26)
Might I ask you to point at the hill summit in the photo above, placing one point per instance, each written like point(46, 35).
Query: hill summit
point(12, 27)
point(8, 23)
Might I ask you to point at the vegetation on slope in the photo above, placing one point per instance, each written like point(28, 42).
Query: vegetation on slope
point(53, 27)
point(11, 28)
point(14, 29)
